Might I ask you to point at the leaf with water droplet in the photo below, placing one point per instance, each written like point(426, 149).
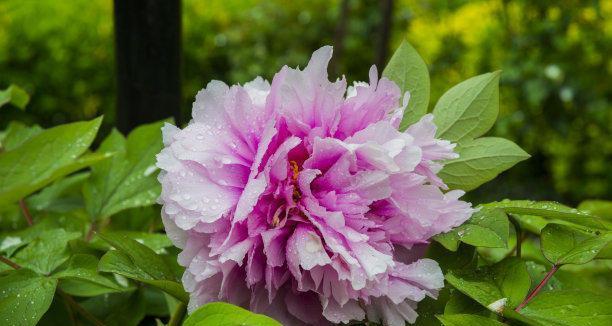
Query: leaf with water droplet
point(551, 210)
point(47, 251)
point(45, 157)
point(570, 308)
point(80, 277)
point(498, 287)
point(486, 228)
point(562, 244)
point(128, 179)
point(24, 297)
point(137, 261)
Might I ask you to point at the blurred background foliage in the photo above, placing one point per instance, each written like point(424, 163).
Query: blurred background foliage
point(555, 85)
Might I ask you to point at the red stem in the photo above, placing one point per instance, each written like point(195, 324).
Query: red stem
point(9, 262)
point(26, 212)
point(535, 291)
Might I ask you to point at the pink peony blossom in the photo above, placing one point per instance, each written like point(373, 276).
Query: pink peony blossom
point(301, 200)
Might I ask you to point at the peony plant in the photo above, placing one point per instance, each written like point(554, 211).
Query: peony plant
point(299, 201)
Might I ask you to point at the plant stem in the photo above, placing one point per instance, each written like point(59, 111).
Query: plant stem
point(26, 212)
point(9, 262)
point(77, 307)
point(177, 316)
point(535, 291)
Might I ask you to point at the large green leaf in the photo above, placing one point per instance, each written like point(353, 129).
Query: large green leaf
point(465, 319)
point(82, 269)
point(408, 70)
point(47, 251)
point(128, 179)
point(497, 287)
point(45, 157)
point(14, 95)
point(480, 161)
point(137, 261)
point(570, 308)
point(17, 133)
point(469, 109)
point(61, 196)
point(562, 244)
point(225, 314)
point(552, 210)
point(486, 228)
point(24, 297)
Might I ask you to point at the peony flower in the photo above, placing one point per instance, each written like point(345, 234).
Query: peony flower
point(301, 200)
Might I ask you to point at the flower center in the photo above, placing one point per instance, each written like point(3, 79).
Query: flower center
point(296, 190)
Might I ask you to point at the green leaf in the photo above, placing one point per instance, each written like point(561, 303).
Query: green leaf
point(127, 180)
point(14, 95)
point(486, 228)
point(61, 196)
point(225, 314)
point(601, 208)
point(465, 319)
point(84, 269)
point(566, 245)
point(497, 287)
point(429, 308)
point(24, 297)
point(464, 258)
point(155, 241)
point(47, 251)
point(552, 210)
point(46, 157)
point(480, 161)
point(408, 70)
point(459, 303)
point(469, 109)
point(570, 308)
point(118, 309)
point(17, 133)
point(137, 261)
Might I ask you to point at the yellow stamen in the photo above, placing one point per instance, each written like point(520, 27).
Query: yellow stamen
point(295, 169)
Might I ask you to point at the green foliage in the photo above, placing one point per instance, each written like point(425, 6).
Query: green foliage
point(565, 245)
point(469, 109)
point(461, 319)
point(49, 155)
point(137, 261)
point(496, 287)
point(570, 308)
point(219, 313)
point(481, 160)
point(486, 228)
point(128, 179)
point(47, 251)
point(408, 70)
point(15, 96)
point(24, 297)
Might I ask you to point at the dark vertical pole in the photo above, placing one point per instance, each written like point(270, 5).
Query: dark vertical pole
point(148, 51)
point(339, 37)
point(386, 11)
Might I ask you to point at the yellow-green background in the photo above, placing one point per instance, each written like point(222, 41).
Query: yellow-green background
point(555, 57)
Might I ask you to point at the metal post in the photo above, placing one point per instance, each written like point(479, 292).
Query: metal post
point(148, 51)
